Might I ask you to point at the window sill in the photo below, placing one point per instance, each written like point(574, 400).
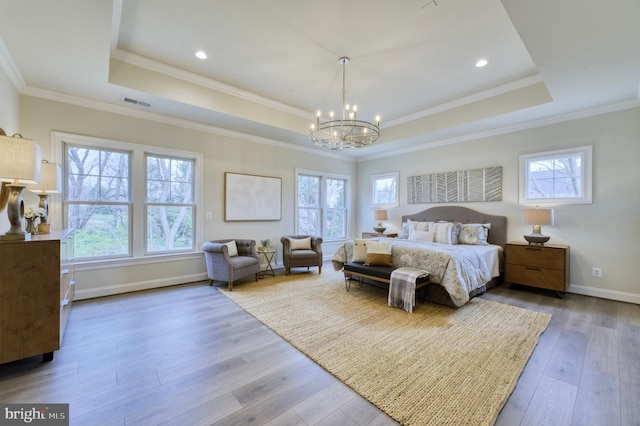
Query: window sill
point(91, 265)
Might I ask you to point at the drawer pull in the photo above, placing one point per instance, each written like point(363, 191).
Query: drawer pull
point(534, 269)
point(533, 248)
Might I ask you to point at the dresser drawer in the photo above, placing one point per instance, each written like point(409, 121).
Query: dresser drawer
point(540, 257)
point(553, 279)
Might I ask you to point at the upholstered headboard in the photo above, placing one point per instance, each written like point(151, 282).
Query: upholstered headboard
point(497, 233)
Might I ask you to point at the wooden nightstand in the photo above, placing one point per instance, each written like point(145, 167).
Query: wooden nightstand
point(376, 235)
point(544, 266)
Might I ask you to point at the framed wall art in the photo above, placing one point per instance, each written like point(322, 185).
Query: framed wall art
point(250, 197)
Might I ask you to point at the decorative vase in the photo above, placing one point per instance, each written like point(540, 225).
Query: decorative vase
point(31, 225)
point(44, 228)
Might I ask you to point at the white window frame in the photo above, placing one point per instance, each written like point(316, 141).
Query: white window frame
point(138, 185)
point(323, 209)
point(375, 203)
point(586, 153)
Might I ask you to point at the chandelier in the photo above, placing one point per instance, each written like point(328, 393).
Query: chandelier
point(348, 132)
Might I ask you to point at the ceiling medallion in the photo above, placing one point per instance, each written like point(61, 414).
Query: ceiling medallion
point(348, 132)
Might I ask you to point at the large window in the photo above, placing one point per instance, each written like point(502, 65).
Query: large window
point(99, 201)
point(321, 202)
point(128, 201)
point(169, 207)
point(562, 176)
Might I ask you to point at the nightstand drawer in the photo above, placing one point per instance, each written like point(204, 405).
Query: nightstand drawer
point(540, 257)
point(553, 279)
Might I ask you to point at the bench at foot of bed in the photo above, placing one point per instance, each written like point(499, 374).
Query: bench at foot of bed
point(381, 274)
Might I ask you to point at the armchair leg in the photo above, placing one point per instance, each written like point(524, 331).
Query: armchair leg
point(230, 285)
point(257, 276)
point(286, 271)
point(319, 269)
point(210, 282)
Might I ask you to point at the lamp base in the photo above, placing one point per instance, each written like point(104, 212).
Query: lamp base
point(536, 239)
point(379, 229)
point(15, 237)
point(44, 228)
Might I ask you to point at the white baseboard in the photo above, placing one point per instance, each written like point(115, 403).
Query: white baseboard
point(620, 296)
point(90, 293)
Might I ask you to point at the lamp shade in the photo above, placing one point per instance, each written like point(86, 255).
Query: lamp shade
point(537, 216)
point(380, 215)
point(50, 180)
point(20, 161)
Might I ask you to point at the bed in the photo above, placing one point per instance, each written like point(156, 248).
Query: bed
point(458, 272)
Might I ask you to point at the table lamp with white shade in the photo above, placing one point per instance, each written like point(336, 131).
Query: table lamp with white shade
point(380, 215)
point(49, 184)
point(20, 164)
point(537, 217)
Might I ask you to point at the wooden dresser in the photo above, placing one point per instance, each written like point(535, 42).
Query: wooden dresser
point(544, 266)
point(36, 292)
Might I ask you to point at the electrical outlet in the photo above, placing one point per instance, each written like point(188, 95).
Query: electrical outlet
point(209, 215)
point(597, 272)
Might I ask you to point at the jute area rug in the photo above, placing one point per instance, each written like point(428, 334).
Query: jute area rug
point(438, 365)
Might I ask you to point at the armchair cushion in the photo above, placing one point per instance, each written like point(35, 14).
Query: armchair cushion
point(232, 248)
point(300, 243)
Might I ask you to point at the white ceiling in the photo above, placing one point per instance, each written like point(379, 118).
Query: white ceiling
point(273, 63)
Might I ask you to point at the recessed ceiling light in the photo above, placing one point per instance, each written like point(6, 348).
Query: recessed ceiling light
point(200, 54)
point(481, 63)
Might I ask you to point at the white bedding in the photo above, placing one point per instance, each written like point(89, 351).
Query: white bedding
point(459, 268)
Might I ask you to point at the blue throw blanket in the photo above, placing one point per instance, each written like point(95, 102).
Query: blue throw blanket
point(402, 288)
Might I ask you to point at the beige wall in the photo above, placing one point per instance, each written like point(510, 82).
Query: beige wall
point(221, 154)
point(603, 234)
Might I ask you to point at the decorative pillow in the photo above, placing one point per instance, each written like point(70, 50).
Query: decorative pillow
point(300, 243)
point(412, 225)
point(474, 234)
point(378, 254)
point(359, 250)
point(445, 232)
point(232, 248)
point(423, 236)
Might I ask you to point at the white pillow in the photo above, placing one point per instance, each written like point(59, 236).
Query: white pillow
point(232, 248)
point(412, 225)
point(445, 232)
point(474, 234)
point(423, 236)
point(378, 254)
point(300, 243)
point(359, 250)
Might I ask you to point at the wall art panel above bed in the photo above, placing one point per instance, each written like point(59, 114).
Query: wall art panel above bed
point(460, 186)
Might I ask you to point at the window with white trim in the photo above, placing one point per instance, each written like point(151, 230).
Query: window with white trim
point(560, 176)
point(321, 205)
point(384, 190)
point(129, 201)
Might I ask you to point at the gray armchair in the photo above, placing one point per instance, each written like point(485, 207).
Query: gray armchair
point(294, 256)
point(223, 267)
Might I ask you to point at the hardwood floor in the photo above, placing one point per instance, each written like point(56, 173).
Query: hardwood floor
point(187, 355)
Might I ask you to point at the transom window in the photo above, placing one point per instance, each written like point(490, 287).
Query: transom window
point(384, 190)
point(562, 176)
